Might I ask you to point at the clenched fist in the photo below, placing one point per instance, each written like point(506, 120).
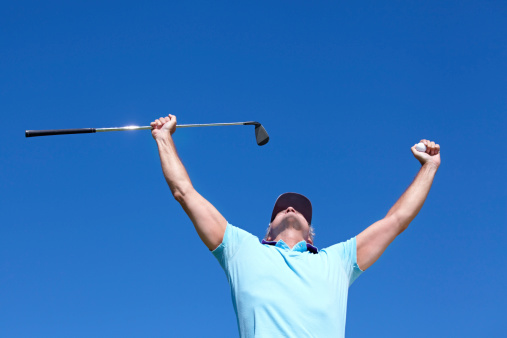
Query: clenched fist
point(431, 155)
point(163, 127)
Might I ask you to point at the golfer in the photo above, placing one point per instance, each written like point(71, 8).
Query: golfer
point(283, 286)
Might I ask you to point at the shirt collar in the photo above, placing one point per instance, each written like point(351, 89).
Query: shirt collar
point(301, 246)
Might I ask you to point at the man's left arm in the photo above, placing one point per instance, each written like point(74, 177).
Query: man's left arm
point(372, 242)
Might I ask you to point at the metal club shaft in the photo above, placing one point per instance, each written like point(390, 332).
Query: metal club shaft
point(177, 126)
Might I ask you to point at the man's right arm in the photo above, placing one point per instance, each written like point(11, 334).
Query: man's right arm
point(208, 222)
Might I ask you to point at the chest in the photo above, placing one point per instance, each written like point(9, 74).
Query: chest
point(274, 277)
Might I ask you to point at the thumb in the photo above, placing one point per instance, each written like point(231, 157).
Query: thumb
point(421, 156)
point(414, 150)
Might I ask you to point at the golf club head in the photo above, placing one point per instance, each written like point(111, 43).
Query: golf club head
point(261, 135)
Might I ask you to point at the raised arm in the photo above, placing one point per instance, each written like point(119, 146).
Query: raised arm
point(373, 241)
point(208, 222)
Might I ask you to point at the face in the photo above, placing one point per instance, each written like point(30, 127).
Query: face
point(289, 218)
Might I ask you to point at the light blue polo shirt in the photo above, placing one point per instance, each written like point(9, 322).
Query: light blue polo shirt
point(279, 292)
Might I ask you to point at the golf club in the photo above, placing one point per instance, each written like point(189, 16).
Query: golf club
point(261, 136)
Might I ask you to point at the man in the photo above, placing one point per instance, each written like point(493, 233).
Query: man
point(284, 286)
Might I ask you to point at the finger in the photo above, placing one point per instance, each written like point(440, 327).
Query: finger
point(433, 150)
point(427, 144)
point(437, 147)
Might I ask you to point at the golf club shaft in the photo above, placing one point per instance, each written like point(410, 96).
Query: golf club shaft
point(177, 126)
point(32, 133)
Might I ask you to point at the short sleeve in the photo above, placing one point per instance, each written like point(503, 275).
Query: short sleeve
point(347, 253)
point(233, 238)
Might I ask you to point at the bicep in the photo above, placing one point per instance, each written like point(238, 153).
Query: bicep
point(208, 222)
point(374, 240)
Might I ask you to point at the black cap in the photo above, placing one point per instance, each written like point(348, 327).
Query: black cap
point(291, 199)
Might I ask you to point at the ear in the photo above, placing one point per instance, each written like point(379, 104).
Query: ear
point(310, 240)
point(268, 235)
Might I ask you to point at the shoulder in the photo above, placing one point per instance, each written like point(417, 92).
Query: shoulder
point(346, 250)
point(234, 233)
point(234, 238)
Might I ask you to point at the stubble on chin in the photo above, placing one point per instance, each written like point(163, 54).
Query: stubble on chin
point(292, 221)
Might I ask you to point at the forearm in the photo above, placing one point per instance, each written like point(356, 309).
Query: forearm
point(412, 200)
point(174, 172)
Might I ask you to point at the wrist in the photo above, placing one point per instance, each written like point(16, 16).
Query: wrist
point(164, 138)
point(430, 165)
point(164, 144)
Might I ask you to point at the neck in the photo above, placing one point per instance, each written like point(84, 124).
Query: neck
point(290, 236)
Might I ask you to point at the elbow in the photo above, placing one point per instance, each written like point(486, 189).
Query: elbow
point(400, 221)
point(181, 194)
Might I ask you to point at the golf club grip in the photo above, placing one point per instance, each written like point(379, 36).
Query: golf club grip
point(32, 133)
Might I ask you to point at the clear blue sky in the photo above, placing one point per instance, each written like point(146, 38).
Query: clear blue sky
point(92, 244)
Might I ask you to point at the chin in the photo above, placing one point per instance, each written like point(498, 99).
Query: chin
point(294, 222)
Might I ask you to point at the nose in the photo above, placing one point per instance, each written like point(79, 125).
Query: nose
point(290, 209)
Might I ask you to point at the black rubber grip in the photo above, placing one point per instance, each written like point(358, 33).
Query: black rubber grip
point(32, 133)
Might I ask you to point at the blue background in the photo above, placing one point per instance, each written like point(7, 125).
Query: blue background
point(92, 242)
